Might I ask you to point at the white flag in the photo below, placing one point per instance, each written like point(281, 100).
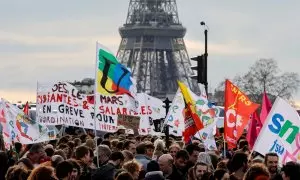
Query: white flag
point(207, 113)
point(175, 118)
point(280, 133)
point(19, 127)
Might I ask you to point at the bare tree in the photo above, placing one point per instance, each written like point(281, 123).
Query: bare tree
point(218, 96)
point(265, 75)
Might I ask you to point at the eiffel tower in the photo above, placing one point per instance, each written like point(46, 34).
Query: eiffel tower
point(152, 46)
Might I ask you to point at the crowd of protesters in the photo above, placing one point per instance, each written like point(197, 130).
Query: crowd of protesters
point(118, 156)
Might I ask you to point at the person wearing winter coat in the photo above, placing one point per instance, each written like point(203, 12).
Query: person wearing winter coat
point(153, 172)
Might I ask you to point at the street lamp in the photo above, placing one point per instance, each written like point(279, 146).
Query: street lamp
point(167, 106)
point(202, 23)
point(201, 67)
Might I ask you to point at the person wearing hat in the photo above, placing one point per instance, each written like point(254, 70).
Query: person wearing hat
point(153, 171)
point(129, 132)
point(121, 130)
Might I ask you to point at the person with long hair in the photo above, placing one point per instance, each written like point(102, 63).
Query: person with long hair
point(17, 173)
point(258, 171)
point(173, 149)
point(191, 174)
point(159, 149)
point(134, 168)
point(42, 173)
point(124, 176)
point(25, 163)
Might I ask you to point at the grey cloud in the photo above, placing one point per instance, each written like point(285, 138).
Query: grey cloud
point(35, 11)
point(17, 47)
point(25, 79)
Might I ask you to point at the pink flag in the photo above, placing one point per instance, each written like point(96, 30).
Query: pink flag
point(252, 130)
point(258, 125)
point(265, 108)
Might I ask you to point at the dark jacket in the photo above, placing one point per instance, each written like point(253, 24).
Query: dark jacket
point(232, 177)
point(277, 177)
point(154, 175)
point(86, 171)
point(106, 172)
point(176, 175)
point(185, 171)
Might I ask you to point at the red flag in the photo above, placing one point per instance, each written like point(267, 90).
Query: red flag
point(252, 130)
point(190, 129)
point(238, 109)
point(265, 108)
point(26, 109)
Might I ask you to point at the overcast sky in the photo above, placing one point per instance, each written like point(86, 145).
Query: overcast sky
point(55, 40)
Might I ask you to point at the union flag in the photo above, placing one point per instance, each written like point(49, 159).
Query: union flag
point(238, 108)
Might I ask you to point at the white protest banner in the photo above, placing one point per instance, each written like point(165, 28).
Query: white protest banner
point(62, 104)
point(109, 107)
point(18, 127)
point(156, 111)
point(280, 133)
point(107, 110)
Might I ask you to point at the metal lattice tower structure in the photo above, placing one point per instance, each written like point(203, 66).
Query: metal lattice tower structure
point(152, 46)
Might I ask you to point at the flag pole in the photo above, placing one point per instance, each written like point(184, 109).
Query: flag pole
point(250, 156)
point(36, 101)
point(224, 141)
point(95, 90)
point(224, 151)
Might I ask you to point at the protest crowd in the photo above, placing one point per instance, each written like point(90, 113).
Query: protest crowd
point(245, 148)
point(127, 157)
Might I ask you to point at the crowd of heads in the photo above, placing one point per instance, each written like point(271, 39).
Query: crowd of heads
point(117, 156)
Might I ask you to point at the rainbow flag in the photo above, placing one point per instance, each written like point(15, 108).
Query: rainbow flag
point(112, 78)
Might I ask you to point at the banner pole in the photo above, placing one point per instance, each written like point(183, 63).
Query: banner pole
point(224, 151)
point(64, 125)
point(95, 97)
